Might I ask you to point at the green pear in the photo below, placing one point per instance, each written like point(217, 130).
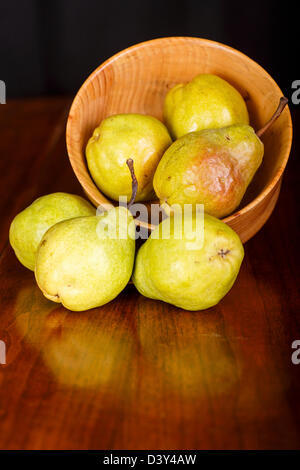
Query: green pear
point(29, 226)
point(87, 261)
point(118, 138)
point(212, 167)
point(206, 102)
point(191, 272)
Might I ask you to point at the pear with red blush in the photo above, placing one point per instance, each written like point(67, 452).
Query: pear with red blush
point(213, 167)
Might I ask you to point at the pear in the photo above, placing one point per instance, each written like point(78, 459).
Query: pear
point(207, 102)
point(87, 261)
point(119, 138)
point(191, 272)
point(29, 226)
point(212, 167)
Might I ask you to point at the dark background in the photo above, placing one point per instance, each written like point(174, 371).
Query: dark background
point(50, 47)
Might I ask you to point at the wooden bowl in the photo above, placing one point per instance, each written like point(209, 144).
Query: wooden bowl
point(137, 79)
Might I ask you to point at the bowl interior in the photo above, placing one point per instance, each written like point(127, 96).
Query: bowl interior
point(137, 79)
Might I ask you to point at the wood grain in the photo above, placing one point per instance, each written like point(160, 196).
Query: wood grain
point(137, 79)
point(140, 374)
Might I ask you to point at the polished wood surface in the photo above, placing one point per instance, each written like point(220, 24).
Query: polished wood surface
point(136, 373)
point(137, 79)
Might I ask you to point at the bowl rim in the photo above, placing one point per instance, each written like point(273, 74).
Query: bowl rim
point(210, 43)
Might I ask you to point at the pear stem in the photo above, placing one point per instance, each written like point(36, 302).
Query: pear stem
point(282, 103)
point(129, 163)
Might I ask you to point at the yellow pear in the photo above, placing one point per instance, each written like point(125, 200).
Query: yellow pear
point(29, 226)
point(81, 264)
point(190, 271)
point(207, 102)
point(119, 138)
point(86, 262)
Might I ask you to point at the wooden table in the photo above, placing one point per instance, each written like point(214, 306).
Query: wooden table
point(136, 373)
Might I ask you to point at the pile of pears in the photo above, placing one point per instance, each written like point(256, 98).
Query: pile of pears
point(205, 153)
